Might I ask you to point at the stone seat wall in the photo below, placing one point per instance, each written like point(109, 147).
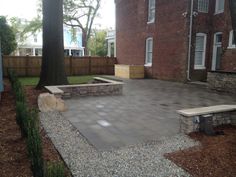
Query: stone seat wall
point(190, 122)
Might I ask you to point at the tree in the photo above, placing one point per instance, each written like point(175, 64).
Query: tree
point(77, 14)
point(7, 37)
point(97, 43)
point(232, 6)
point(81, 13)
point(52, 69)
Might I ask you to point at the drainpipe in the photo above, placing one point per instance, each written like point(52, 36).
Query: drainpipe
point(190, 40)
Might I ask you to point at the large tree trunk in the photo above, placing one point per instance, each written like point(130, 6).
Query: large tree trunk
point(232, 4)
point(53, 69)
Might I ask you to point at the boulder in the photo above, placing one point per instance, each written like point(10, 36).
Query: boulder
point(48, 102)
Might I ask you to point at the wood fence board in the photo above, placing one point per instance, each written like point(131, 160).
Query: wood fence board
point(31, 66)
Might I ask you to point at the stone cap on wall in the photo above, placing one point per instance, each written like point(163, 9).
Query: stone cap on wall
point(206, 110)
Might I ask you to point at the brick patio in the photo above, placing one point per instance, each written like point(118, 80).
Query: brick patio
point(146, 111)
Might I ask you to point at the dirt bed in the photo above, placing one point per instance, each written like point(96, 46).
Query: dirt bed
point(13, 152)
point(216, 156)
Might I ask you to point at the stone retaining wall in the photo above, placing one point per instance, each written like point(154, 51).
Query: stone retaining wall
point(92, 90)
point(222, 81)
point(191, 124)
point(100, 87)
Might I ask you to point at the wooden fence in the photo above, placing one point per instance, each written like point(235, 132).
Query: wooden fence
point(31, 66)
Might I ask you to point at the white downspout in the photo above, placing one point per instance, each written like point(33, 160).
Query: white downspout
point(190, 40)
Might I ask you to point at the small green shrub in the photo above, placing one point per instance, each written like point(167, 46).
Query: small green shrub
point(29, 124)
point(54, 170)
point(34, 145)
point(20, 95)
point(22, 117)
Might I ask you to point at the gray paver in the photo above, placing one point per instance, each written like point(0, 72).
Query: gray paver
point(146, 111)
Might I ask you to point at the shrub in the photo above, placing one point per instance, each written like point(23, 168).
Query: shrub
point(34, 145)
point(22, 117)
point(54, 170)
point(29, 125)
point(20, 96)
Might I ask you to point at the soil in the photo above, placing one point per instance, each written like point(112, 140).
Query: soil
point(14, 161)
point(13, 152)
point(215, 157)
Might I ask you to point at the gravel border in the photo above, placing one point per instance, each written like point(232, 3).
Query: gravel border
point(139, 160)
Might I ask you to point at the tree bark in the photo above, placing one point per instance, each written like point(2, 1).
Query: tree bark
point(232, 6)
point(53, 67)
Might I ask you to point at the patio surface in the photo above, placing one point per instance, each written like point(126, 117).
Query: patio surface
point(146, 111)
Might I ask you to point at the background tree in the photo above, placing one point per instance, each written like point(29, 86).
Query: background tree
point(7, 37)
point(232, 6)
point(97, 43)
point(77, 14)
point(52, 69)
point(81, 13)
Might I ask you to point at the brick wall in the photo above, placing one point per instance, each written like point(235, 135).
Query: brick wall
point(210, 23)
point(169, 34)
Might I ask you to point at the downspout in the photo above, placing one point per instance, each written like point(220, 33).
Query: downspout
point(190, 40)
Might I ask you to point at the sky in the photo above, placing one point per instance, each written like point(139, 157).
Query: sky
point(28, 9)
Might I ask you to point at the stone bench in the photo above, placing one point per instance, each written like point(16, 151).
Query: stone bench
point(222, 114)
point(101, 86)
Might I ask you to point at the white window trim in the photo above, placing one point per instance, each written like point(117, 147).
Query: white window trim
point(146, 52)
point(201, 10)
point(200, 67)
point(231, 45)
point(215, 45)
point(149, 9)
point(216, 7)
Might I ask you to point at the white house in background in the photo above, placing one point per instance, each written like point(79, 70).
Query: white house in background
point(111, 43)
point(32, 46)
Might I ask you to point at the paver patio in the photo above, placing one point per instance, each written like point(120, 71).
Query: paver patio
point(146, 111)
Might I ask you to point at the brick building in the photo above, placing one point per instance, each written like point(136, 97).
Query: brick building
point(155, 33)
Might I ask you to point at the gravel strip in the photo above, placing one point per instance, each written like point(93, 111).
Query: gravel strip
point(139, 160)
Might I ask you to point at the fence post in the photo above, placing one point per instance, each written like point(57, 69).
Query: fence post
point(107, 66)
point(71, 66)
point(90, 67)
point(27, 66)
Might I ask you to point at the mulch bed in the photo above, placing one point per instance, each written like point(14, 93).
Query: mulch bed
point(216, 156)
point(13, 151)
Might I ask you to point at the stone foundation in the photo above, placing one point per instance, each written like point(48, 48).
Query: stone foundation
point(222, 81)
point(191, 124)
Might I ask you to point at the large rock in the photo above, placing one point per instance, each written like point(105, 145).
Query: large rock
point(48, 102)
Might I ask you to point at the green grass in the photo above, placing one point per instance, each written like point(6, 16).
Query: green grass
point(33, 81)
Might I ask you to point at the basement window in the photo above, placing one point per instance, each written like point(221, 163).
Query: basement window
point(151, 11)
point(149, 51)
point(203, 6)
point(232, 42)
point(220, 5)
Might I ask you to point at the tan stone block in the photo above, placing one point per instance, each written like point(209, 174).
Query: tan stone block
point(48, 102)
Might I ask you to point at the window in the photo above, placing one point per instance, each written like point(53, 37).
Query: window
point(151, 10)
point(35, 38)
point(220, 5)
point(200, 50)
point(149, 49)
point(203, 6)
point(232, 42)
point(38, 52)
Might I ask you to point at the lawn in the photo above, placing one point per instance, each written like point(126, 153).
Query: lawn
point(32, 81)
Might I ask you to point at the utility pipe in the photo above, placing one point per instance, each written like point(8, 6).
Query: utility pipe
point(190, 40)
